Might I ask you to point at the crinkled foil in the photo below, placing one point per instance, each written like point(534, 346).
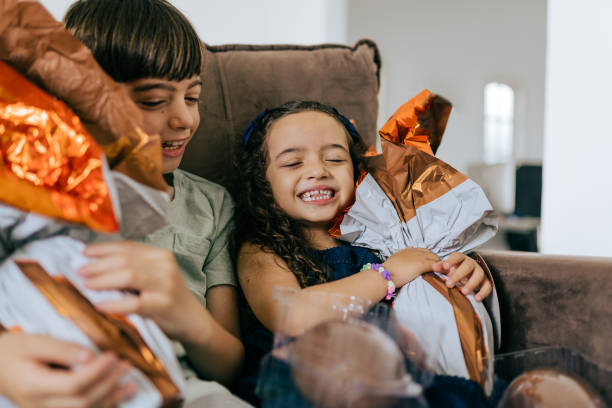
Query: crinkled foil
point(49, 164)
point(409, 178)
point(38, 46)
point(420, 122)
point(108, 332)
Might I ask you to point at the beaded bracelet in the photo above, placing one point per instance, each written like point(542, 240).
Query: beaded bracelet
point(385, 274)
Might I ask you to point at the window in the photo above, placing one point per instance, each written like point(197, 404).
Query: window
point(498, 122)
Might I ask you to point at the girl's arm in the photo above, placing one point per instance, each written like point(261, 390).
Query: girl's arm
point(259, 271)
point(159, 292)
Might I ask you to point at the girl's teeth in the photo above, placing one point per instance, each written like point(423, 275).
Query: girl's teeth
point(317, 195)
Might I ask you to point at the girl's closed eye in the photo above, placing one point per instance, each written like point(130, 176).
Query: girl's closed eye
point(291, 164)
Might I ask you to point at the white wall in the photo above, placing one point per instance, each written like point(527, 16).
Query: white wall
point(577, 181)
point(256, 22)
point(454, 48)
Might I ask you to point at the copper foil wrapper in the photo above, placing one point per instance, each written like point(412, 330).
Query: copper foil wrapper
point(420, 122)
point(49, 164)
point(107, 332)
point(38, 46)
point(411, 177)
point(407, 171)
point(469, 327)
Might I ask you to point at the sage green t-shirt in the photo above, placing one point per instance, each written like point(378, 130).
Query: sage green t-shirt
point(199, 233)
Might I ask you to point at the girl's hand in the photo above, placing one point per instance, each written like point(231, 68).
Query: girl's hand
point(463, 270)
point(407, 264)
point(36, 373)
point(153, 279)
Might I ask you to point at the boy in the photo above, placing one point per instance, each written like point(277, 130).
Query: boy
point(185, 283)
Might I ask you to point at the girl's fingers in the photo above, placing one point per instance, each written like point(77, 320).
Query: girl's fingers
point(455, 259)
point(475, 281)
point(484, 291)
point(458, 273)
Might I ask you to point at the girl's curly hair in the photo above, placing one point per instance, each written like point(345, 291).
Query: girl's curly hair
point(259, 220)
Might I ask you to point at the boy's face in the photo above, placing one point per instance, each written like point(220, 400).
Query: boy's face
point(310, 168)
point(170, 109)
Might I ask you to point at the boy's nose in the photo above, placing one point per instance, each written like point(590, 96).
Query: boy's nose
point(181, 116)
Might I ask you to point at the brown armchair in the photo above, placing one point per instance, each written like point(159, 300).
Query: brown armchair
point(545, 300)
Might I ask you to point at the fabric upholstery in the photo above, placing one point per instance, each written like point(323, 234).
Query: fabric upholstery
point(554, 300)
point(242, 80)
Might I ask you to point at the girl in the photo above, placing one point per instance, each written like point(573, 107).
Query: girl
point(298, 170)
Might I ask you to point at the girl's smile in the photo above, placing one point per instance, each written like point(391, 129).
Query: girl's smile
point(318, 195)
point(310, 169)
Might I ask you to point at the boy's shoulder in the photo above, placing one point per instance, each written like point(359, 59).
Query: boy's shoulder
point(195, 183)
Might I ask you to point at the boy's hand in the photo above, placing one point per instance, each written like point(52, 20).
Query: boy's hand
point(463, 270)
point(36, 373)
point(152, 277)
point(407, 264)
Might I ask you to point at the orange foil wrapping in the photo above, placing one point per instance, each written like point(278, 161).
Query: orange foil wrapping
point(49, 164)
point(420, 122)
point(107, 332)
point(39, 47)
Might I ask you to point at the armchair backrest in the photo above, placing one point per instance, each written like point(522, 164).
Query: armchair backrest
point(242, 80)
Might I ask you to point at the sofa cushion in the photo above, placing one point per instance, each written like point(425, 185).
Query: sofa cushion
point(242, 80)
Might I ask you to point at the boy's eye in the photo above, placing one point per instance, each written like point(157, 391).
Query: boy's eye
point(336, 160)
point(150, 104)
point(192, 101)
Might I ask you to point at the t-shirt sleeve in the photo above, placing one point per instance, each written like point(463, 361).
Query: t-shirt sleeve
point(218, 266)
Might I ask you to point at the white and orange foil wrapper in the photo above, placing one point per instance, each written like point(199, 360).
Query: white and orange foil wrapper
point(41, 292)
point(409, 198)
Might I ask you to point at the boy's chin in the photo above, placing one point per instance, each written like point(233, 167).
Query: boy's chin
point(170, 164)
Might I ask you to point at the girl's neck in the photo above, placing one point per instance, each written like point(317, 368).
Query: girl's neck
point(319, 238)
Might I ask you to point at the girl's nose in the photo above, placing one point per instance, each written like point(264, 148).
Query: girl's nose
point(317, 169)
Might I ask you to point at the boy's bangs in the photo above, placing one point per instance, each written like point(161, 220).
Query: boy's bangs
point(134, 39)
point(161, 45)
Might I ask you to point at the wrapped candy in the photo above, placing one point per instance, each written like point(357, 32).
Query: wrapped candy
point(63, 188)
point(38, 46)
point(409, 198)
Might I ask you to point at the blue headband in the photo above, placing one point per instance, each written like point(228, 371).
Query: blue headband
point(353, 133)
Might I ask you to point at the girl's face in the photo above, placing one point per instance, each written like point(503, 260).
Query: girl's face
point(170, 109)
point(310, 168)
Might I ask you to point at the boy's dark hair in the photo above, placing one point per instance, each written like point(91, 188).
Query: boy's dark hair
point(134, 39)
point(259, 220)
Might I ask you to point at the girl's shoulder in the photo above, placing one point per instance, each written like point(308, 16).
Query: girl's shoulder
point(255, 257)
